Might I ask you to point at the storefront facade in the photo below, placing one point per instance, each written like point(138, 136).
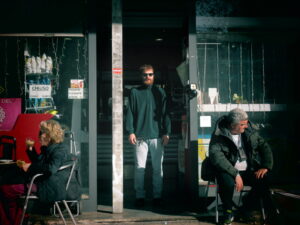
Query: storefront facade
point(214, 61)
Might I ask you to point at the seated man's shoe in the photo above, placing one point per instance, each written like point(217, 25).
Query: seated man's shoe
point(157, 202)
point(245, 217)
point(228, 217)
point(139, 202)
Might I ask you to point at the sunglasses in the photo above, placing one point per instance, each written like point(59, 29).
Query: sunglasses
point(148, 74)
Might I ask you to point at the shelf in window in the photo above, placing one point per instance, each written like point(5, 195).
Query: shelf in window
point(245, 107)
point(41, 107)
point(34, 76)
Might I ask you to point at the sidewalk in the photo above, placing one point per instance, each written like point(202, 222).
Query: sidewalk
point(173, 212)
point(104, 216)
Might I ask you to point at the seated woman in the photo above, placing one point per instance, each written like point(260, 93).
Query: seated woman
point(51, 186)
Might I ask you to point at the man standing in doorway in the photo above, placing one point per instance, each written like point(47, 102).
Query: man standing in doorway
point(149, 127)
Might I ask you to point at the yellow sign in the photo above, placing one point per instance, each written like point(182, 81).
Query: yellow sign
point(202, 148)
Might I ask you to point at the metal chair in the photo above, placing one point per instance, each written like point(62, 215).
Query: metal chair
point(76, 201)
point(262, 208)
point(8, 147)
point(30, 195)
point(70, 141)
point(217, 200)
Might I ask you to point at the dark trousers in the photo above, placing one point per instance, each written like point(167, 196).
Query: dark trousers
point(10, 211)
point(259, 189)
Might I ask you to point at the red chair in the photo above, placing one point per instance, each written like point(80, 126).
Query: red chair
point(26, 126)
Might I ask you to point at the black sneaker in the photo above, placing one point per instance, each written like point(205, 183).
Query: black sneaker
point(157, 202)
point(228, 217)
point(139, 202)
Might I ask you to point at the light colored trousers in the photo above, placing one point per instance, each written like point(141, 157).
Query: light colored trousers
point(156, 149)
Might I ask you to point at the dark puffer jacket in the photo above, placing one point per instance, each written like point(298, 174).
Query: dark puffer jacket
point(51, 186)
point(223, 153)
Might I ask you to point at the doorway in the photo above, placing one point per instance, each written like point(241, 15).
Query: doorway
point(152, 38)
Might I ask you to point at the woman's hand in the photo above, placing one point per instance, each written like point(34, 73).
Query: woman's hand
point(44, 139)
point(26, 166)
point(29, 143)
point(23, 165)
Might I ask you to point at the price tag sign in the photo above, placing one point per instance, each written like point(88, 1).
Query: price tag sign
point(40, 91)
point(77, 93)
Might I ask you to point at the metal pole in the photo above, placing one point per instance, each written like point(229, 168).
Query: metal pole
point(192, 153)
point(90, 205)
point(117, 107)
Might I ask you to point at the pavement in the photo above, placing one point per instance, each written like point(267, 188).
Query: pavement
point(104, 216)
point(173, 212)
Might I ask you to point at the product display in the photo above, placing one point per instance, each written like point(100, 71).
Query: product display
point(38, 83)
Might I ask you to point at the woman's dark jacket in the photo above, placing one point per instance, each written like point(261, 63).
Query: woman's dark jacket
point(51, 186)
point(223, 153)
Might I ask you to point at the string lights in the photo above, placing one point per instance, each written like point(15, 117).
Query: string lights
point(78, 59)
point(56, 64)
point(85, 53)
point(252, 74)
point(229, 71)
point(5, 67)
point(18, 67)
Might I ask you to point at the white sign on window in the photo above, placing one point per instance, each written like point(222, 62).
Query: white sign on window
point(77, 93)
point(40, 91)
point(205, 121)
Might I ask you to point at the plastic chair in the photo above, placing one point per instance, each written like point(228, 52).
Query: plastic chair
point(29, 194)
point(8, 147)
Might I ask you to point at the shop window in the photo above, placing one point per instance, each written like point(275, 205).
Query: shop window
point(50, 75)
point(242, 72)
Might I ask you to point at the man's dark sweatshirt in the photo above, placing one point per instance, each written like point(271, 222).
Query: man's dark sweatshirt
point(147, 116)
